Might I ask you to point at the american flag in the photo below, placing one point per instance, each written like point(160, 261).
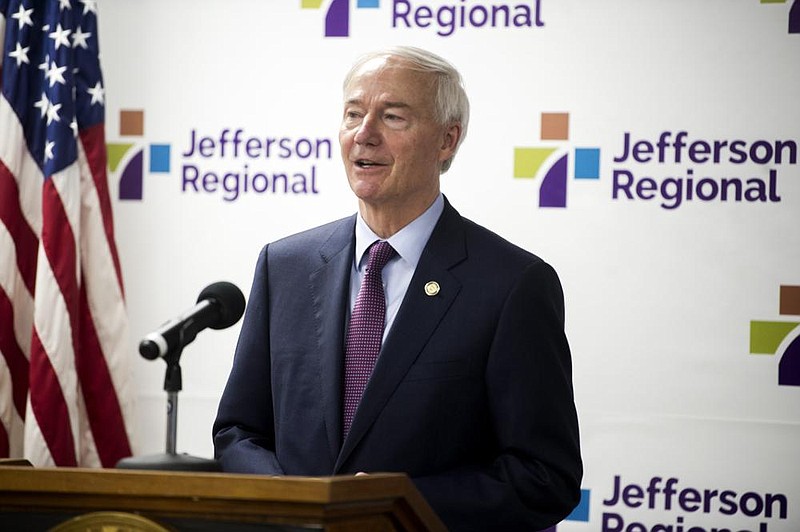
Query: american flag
point(64, 371)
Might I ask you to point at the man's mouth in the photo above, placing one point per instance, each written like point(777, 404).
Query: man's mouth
point(365, 163)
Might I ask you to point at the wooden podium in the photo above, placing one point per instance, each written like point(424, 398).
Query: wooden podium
point(67, 499)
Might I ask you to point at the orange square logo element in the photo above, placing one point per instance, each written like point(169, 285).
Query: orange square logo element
point(131, 123)
point(555, 126)
point(790, 300)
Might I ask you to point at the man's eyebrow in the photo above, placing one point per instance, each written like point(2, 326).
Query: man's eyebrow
point(388, 104)
point(395, 105)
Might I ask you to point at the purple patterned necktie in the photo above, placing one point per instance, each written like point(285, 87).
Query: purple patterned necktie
point(365, 333)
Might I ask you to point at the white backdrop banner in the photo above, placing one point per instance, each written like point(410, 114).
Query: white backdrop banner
point(648, 150)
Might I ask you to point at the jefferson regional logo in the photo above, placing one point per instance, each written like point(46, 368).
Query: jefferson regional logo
point(444, 18)
point(676, 168)
point(628, 506)
point(631, 506)
point(228, 162)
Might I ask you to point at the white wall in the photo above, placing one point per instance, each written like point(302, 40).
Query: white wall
point(659, 301)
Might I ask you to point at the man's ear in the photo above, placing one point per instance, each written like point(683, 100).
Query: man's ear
point(450, 139)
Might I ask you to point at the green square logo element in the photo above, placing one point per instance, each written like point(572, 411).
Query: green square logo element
point(527, 161)
point(766, 336)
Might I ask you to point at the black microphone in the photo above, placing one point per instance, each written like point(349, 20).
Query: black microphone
point(219, 305)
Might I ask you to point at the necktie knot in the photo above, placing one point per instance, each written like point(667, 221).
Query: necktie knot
point(380, 253)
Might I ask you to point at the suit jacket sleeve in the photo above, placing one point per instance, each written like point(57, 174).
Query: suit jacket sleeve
point(244, 433)
point(534, 480)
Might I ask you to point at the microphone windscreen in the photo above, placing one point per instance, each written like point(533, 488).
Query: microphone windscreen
point(229, 300)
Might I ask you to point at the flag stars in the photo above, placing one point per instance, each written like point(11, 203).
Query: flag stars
point(60, 36)
point(23, 16)
point(52, 113)
point(49, 109)
point(98, 94)
point(64, 4)
point(89, 6)
point(55, 74)
point(43, 104)
point(45, 65)
point(20, 54)
point(79, 39)
point(49, 146)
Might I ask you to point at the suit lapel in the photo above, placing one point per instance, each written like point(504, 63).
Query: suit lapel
point(416, 321)
point(330, 293)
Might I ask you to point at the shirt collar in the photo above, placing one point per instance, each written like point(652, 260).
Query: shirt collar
point(408, 242)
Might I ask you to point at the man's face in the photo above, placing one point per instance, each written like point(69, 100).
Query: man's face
point(392, 145)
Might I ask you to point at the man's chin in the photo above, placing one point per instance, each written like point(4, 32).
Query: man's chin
point(367, 188)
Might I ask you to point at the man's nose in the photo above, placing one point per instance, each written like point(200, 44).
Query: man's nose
point(368, 132)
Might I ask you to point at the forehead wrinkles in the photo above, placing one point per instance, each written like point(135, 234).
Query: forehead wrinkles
point(394, 82)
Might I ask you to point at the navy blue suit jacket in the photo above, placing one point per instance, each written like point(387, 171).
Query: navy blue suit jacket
point(471, 395)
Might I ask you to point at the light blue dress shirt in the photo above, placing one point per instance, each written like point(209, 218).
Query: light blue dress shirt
point(408, 243)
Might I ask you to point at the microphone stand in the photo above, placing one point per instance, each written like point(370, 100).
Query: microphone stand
point(171, 460)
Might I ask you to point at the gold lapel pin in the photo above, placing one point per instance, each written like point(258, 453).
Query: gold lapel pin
point(431, 288)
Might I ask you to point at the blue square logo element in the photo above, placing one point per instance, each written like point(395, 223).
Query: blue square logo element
point(159, 158)
point(369, 3)
point(581, 512)
point(587, 163)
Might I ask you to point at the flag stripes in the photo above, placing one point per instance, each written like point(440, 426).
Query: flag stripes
point(65, 397)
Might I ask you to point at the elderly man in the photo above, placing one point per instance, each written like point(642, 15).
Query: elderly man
point(407, 338)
